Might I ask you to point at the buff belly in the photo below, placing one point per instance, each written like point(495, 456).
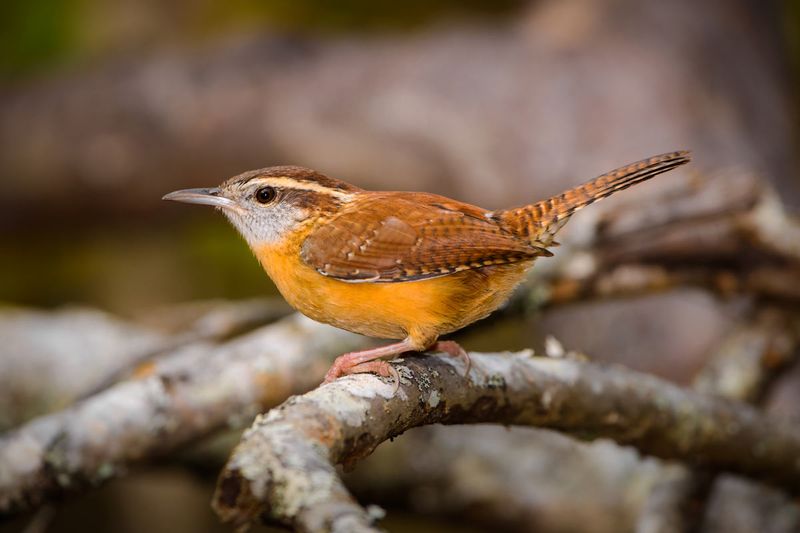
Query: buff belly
point(421, 309)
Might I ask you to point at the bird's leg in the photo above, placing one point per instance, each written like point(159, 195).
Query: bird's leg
point(365, 361)
point(372, 360)
point(453, 349)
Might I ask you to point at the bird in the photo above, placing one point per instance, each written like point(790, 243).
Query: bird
point(405, 266)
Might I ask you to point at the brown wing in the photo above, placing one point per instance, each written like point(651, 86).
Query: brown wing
point(392, 237)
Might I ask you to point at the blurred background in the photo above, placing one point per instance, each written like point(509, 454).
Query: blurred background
point(106, 105)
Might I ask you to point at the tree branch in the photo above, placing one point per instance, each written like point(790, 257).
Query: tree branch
point(48, 360)
point(283, 469)
point(194, 391)
point(189, 394)
point(725, 233)
point(740, 369)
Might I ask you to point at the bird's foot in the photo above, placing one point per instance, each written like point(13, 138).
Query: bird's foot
point(453, 349)
point(344, 366)
point(372, 360)
point(382, 368)
point(369, 361)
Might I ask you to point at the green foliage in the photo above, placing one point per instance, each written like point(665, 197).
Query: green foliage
point(129, 268)
point(35, 33)
point(352, 15)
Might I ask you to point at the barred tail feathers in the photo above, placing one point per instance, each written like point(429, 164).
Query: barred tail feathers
point(540, 222)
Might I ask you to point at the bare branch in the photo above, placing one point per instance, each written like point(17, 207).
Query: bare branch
point(197, 390)
point(283, 470)
point(152, 415)
point(202, 321)
point(740, 370)
point(726, 233)
point(50, 359)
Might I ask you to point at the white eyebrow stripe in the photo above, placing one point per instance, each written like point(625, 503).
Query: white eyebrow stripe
point(289, 183)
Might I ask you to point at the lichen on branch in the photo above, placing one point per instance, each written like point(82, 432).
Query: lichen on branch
point(284, 468)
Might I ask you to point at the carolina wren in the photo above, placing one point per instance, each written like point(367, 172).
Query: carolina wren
point(396, 265)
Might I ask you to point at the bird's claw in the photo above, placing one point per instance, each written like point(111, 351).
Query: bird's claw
point(343, 367)
point(453, 349)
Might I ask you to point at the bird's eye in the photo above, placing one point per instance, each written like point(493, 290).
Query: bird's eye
point(265, 195)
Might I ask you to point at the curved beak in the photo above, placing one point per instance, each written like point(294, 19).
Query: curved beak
point(200, 196)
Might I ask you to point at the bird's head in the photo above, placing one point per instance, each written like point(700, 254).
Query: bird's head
point(267, 204)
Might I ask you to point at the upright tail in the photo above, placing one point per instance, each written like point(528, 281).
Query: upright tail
point(540, 222)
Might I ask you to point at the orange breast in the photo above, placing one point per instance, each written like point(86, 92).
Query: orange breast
point(423, 309)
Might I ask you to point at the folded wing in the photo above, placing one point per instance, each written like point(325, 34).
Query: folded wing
point(393, 237)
